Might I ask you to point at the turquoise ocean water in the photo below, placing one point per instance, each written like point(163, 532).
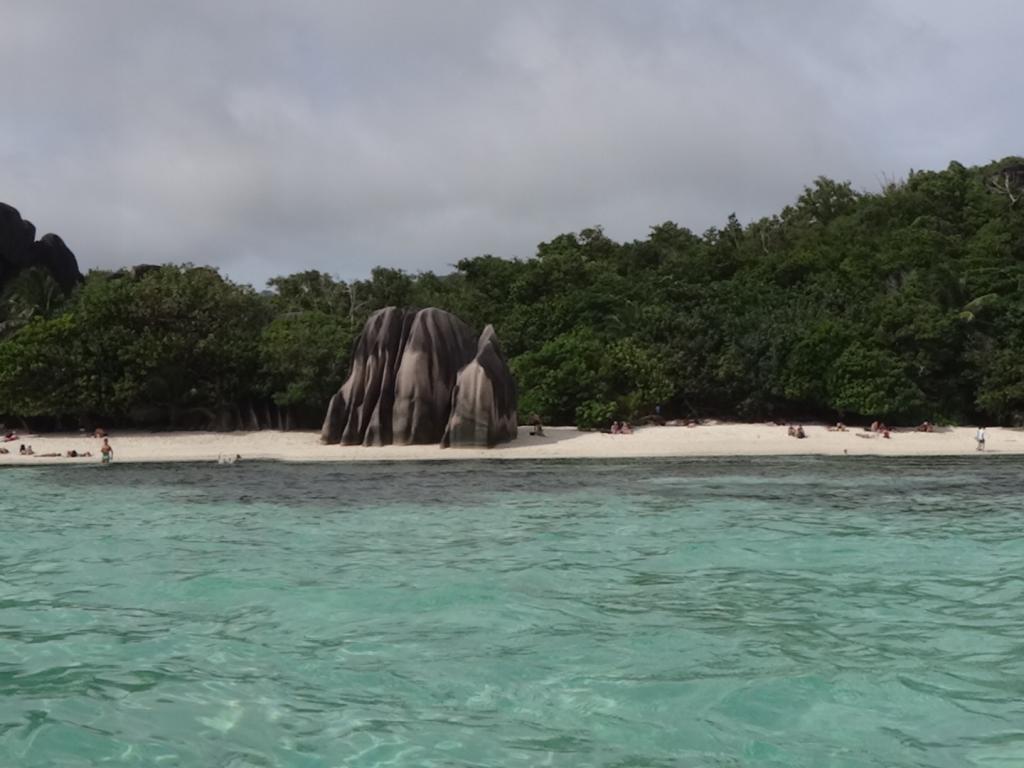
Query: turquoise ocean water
point(772, 612)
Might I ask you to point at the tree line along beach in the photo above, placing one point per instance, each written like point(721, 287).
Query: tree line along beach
point(899, 305)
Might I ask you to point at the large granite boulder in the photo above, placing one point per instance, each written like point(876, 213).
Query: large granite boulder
point(483, 409)
point(404, 383)
point(19, 250)
point(360, 413)
point(437, 347)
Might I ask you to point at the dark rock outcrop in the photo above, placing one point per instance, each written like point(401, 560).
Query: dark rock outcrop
point(19, 250)
point(421, 378)
point(16, 237)
point(51, 252)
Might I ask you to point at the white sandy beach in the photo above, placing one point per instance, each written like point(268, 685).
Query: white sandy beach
point(558, 443)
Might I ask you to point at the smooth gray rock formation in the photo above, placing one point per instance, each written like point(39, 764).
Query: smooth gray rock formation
point(407, 372)
point(360, 413)
point(437, 347)
point(484, 399)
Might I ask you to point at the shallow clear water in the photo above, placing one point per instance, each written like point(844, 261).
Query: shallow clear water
point(798, 612)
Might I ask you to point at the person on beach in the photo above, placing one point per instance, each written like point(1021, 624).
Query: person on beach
point(616, 428)
point(626, 428)
point(536, 428)
point(800, 434)
point(979, 438)
point(106, 452)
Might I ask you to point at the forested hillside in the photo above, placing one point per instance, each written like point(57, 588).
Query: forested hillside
point(905, 304)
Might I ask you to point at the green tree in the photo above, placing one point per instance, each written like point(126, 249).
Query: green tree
point(874, 383)
point(41, 369)
point(173, 338)
point(304, 355)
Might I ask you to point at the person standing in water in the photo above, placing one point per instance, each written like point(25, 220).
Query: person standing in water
point(106, 452)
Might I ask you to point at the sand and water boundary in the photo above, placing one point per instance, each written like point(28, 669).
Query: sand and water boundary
point(718, 440)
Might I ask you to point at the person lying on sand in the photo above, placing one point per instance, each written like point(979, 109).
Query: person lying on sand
point(925, 426)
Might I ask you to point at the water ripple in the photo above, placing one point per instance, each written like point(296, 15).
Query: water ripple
point(769, 612)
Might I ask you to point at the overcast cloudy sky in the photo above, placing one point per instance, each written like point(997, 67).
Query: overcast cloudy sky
point(269, 137)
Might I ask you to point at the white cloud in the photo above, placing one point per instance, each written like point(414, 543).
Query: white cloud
point(267, 138)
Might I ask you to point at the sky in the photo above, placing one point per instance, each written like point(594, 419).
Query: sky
point(268, 137)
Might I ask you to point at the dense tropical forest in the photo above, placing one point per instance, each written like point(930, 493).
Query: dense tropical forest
point(903, 304)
